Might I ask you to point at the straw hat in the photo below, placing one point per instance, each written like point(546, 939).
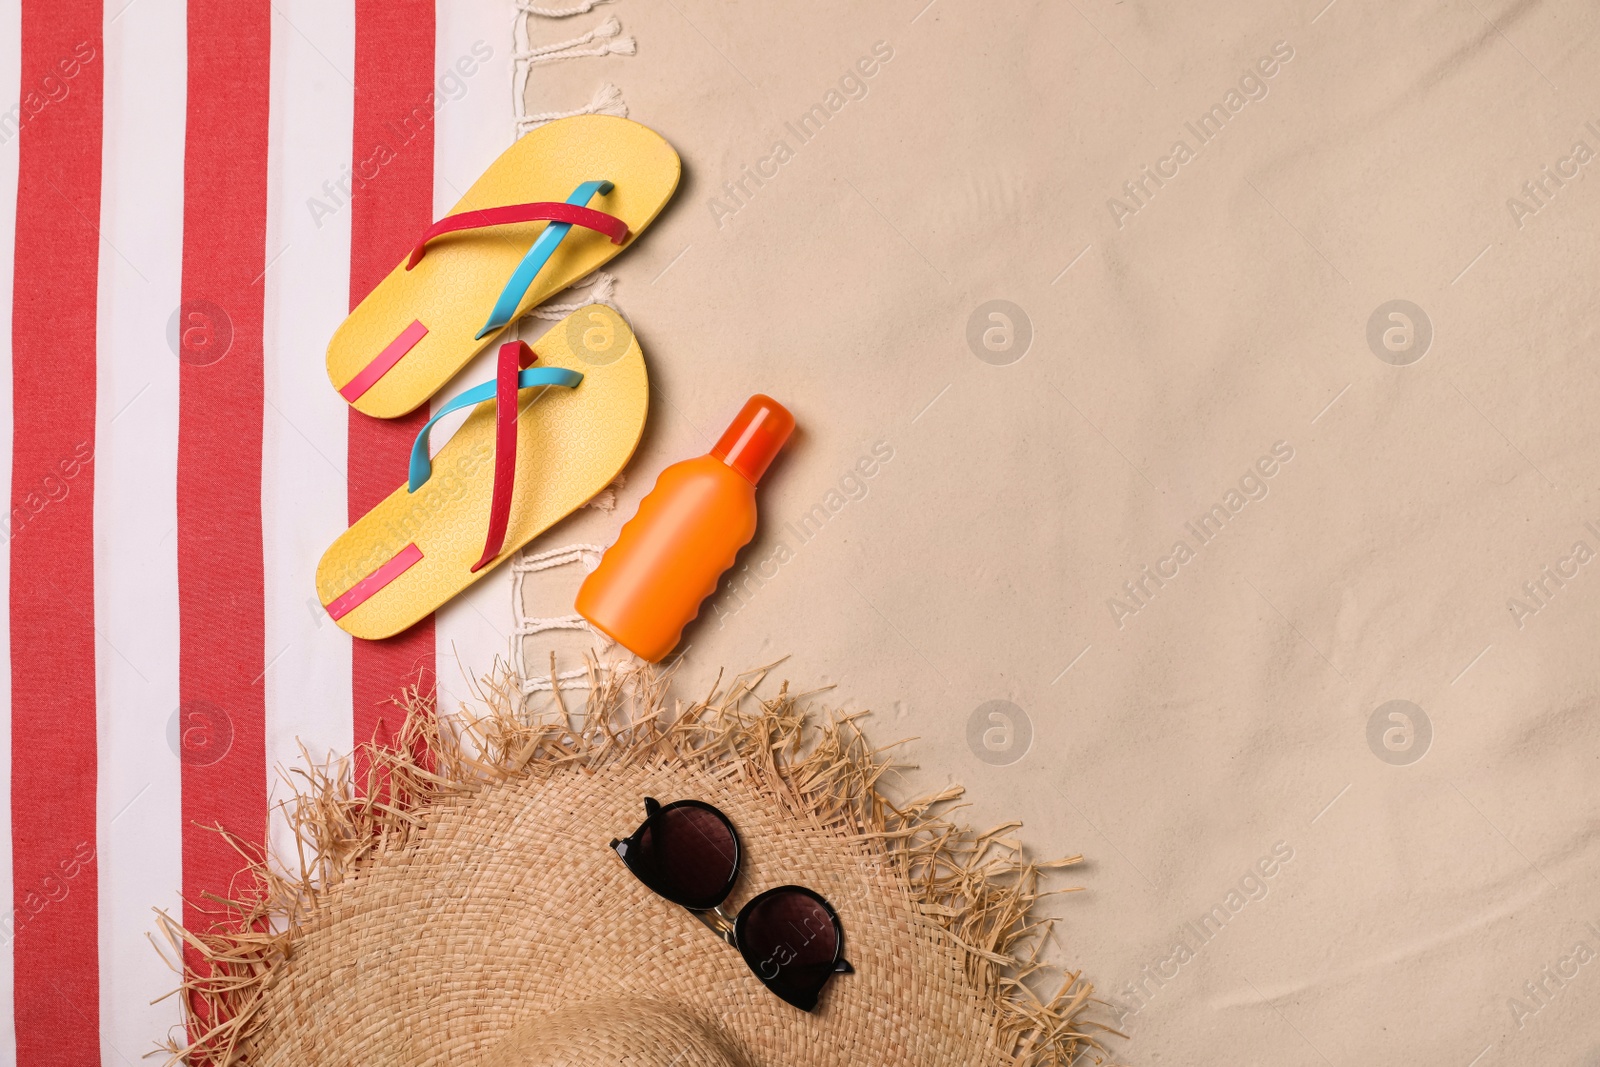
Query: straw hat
point(473, 913)
point(621, 1031)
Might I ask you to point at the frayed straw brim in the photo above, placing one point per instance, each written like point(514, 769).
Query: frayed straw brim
point(468, 890)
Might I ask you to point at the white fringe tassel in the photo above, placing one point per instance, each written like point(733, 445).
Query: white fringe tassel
point(605, 287)
point(607, 100)
point(529, 626)
point(605, 38)
point(582, 8)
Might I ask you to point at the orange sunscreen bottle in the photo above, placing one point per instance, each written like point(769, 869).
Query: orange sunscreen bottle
point(671, 554)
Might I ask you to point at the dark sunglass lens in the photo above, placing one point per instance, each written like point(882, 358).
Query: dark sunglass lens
point(687, 854)
point(790, 939)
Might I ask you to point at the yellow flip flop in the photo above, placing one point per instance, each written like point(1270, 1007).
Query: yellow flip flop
point(540, 442)
point(554, 207)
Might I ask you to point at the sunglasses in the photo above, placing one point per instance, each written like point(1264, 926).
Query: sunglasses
point(688, 852)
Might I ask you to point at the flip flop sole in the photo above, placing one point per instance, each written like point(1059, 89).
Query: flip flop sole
point(414, 551)
point(431, 314)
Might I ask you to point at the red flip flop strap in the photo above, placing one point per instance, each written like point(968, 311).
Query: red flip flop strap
point(543, 211)
point(514, 355)
point(366, 588)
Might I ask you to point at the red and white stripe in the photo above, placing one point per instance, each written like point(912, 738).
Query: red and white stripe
point(167, 516)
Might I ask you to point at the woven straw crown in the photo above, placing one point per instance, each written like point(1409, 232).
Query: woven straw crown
point(615, 1032)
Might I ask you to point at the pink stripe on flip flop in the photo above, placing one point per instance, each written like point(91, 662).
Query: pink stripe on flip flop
point(385, 360)
point(357, 595)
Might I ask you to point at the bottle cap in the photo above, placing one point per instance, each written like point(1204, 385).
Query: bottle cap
point(754, 437)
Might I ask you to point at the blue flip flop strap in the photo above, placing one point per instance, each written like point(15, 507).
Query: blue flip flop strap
point(422, 465)
point(505, 308)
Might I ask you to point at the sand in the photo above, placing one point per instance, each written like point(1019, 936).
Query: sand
point(1197, 458)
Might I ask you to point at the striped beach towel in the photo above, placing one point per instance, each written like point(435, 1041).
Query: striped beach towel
point(192, 196)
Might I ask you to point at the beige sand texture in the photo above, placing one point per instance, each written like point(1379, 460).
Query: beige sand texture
point(1285, 867)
